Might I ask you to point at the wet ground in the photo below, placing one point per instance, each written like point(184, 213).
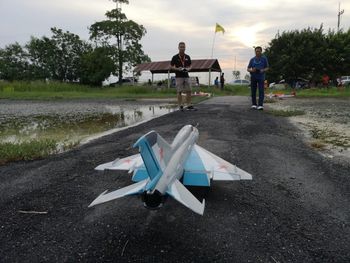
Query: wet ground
point(71, 122)
point(296, 208)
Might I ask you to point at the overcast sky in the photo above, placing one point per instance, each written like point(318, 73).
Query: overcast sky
point(247, 23)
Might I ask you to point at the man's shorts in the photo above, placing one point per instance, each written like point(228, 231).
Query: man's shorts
point(183, 85)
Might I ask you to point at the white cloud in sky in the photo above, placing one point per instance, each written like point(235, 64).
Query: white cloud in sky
point(247, 23)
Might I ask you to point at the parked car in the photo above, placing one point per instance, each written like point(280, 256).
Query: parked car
point(345, 80)
point(240, 82)
point(127, 80)
point(300, 83)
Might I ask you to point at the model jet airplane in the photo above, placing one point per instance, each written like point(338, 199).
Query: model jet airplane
point(162, 169)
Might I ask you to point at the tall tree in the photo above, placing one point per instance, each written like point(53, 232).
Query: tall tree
point(309, 54)
point(96, 66)
point(121, 35)
point(337, 54)
point(58, 57)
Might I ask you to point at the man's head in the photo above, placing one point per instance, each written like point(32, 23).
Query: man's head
point(258, 51)
point(182, 47)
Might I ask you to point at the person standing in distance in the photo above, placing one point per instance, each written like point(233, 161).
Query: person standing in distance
point(257, 67)
point(181, 64)
point(222, 81)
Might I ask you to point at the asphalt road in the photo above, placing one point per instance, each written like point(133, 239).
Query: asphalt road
point(296, 209)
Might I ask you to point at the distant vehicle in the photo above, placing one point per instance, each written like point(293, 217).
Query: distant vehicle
point(301, 83)
point(129, 80)
point(298, 83)
point(345, 80)
point(277, 86)
point(240, 82)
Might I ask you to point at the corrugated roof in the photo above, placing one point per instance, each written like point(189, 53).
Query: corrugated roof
point(198, 65)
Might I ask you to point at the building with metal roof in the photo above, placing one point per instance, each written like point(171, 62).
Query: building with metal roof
point(163, 67)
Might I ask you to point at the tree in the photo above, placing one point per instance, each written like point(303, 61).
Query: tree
point(337, 54)
point(308, 54)
point(96, 66)
point(236, 74)
point(14, 64)
point(122, 36)
point(58, 57)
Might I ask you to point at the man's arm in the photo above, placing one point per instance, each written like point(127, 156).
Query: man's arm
point(266, 68)
point(250, 67)
point(189, 67)
point(173, 65)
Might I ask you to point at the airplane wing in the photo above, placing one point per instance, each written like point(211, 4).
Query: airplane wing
point(128, 163)
point(179, 192)
point(133, 189)
point(216, 167)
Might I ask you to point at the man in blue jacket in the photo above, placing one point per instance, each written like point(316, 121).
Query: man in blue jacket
point(257, 67)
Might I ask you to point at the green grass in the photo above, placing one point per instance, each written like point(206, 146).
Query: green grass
point(26, 150)
point(325, 92)
point(57, 90)
point(286, 113)
point(237, 90)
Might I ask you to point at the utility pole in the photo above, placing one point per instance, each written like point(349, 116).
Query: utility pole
point(340, 12)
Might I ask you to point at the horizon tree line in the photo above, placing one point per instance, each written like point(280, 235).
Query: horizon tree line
point(113, 48)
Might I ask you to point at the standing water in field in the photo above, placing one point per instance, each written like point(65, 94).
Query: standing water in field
point(69, 123)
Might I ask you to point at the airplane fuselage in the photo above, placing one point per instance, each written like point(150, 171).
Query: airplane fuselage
point(175, 168)
point(182, 147)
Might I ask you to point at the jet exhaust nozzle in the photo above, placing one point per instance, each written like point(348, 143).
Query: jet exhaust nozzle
point(152, 201)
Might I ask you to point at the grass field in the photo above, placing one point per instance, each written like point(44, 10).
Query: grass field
point(325, 92)
point(56, 90)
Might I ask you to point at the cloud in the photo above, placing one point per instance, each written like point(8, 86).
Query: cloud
point(247, 23)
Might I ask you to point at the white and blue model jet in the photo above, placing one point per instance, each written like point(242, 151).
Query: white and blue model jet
point(162, 169)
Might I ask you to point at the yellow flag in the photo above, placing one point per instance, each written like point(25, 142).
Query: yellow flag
point(219, 28)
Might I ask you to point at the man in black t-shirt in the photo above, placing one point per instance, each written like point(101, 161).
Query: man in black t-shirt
point(181, 64)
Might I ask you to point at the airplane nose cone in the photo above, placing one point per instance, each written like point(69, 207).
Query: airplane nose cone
point(152, 201)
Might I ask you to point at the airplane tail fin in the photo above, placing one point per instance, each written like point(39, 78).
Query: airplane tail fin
point(179, 192)
point(155, 152)
point(133, 189)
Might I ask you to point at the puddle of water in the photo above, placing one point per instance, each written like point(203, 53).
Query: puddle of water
point(74, 128)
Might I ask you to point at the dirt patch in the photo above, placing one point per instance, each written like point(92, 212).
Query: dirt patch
point(325, 124)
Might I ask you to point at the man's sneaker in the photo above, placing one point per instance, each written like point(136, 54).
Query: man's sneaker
point(254, 107)
point(181, 108)
point(260, 108)
point(191, 108)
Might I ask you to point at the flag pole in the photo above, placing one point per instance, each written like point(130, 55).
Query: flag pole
point(212, 48)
